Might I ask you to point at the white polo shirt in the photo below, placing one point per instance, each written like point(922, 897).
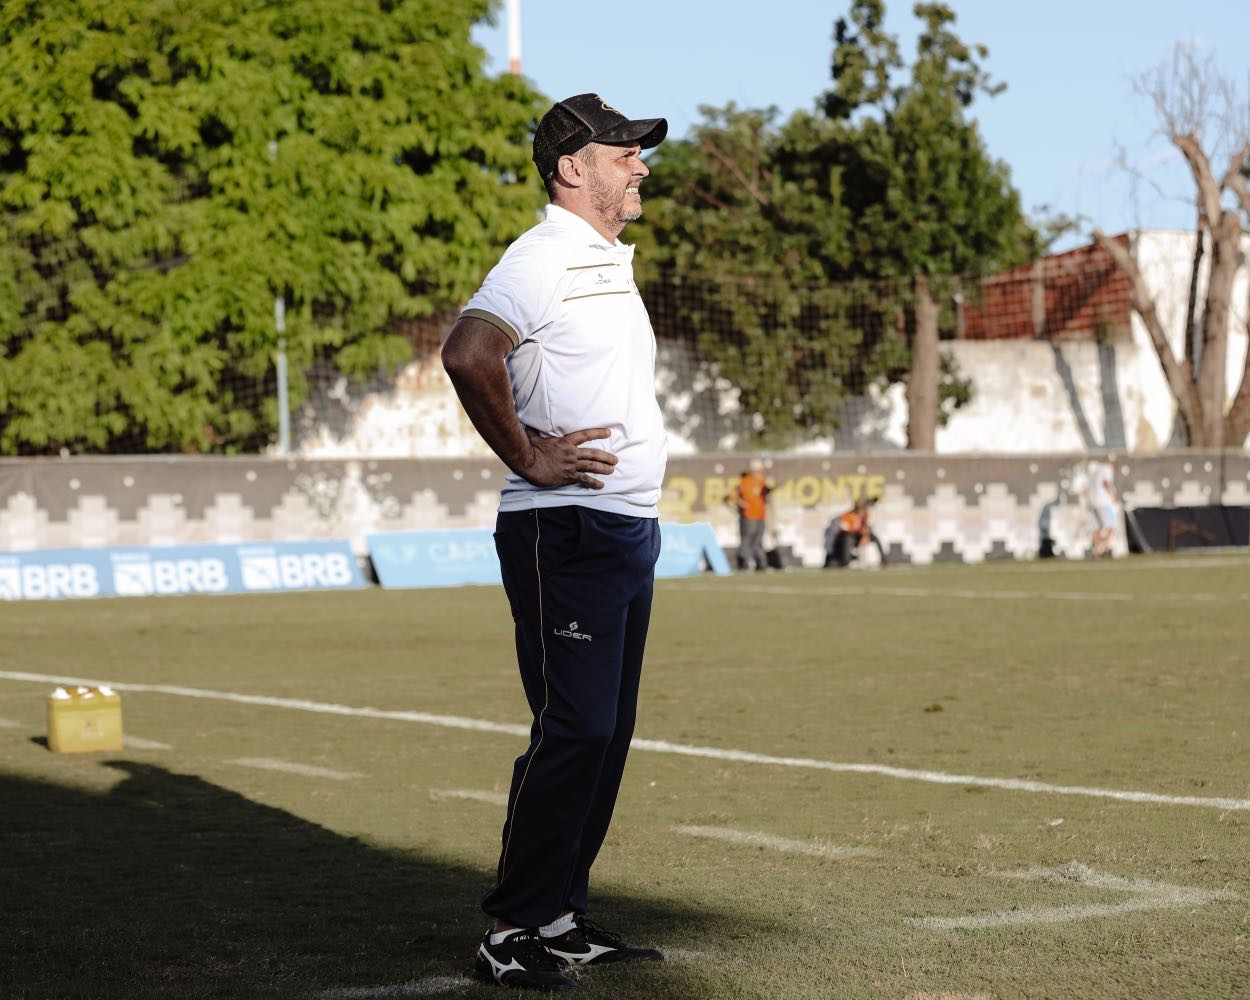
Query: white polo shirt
point(1101, 478)
point(583, 356)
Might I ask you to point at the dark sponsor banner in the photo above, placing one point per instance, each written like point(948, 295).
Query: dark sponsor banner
point(55, 574)
point(1166, 529)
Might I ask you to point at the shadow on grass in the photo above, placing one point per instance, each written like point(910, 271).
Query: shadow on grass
point(171, 887)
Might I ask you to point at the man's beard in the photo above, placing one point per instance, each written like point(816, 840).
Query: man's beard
point(609, 203)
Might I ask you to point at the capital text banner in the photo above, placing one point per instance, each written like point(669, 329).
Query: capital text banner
point(452, 558)
point(434, 558)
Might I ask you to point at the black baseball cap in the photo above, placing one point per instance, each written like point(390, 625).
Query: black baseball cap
point(575, 121)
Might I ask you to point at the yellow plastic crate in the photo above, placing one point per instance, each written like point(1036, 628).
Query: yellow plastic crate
point(84, 719)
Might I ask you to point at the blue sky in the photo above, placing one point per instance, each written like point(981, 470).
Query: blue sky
point(1069, 67)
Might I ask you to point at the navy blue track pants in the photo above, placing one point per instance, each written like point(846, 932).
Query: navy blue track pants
point(579, 582)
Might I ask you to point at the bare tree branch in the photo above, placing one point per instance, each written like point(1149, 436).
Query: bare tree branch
point(1181, 92)
point(708, 198)
point(1237, 184)
point(1191, 302)
point(1200, 167)
point(1144, 305)
point(1212, 378)
point(734, 169)
point(1139, 176)
point(1236, 164)
point(1203, 114)
point(1237, 420)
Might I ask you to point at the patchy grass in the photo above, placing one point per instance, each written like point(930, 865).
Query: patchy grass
point(188, 872)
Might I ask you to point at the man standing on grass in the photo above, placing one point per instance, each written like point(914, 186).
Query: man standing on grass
point(750, 498)
point(554, 351)
point(1100, 492)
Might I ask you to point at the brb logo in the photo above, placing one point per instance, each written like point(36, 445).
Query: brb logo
point(48, 581)
point(141, 575)
point(268, 570)
point(572, 633)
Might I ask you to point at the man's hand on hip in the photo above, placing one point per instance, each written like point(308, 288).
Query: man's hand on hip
point(559, 461)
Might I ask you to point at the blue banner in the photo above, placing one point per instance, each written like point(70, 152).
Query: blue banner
point(684, 548)
point(434, 558)
point(452, 558)
point(53, 574)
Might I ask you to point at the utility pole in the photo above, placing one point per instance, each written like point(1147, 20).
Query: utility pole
point(280, 372)
point(514, 37)
point(284, 406)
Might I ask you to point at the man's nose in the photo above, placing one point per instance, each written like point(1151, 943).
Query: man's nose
point(643, 170)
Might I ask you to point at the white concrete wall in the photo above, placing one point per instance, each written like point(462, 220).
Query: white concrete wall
point(418, 416)
point(1029, 396)
point(1022, 403)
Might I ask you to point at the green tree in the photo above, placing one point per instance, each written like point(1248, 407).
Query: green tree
point(928, 197)
point(743, 231)
point(935, 204)
point(168, 168)
point(832, 232)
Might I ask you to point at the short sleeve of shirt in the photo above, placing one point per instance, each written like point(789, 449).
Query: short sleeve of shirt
point(519, 294)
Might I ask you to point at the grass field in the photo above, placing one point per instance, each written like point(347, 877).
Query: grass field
point(913, 783)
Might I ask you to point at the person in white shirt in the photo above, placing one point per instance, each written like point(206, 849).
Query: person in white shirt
point(1100, 492)
point(553, 360)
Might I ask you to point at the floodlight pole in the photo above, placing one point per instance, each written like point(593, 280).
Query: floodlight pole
point(514, 37)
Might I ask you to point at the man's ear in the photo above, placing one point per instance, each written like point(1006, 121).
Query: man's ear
point(570, 170)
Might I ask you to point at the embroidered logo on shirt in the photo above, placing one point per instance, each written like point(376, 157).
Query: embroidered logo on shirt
point(572, 633)
point(598, 279)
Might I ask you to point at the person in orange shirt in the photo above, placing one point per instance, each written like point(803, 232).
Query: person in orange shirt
point(849, 533)
point(750, 498)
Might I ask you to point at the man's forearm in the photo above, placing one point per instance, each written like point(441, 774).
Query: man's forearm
point(474, 358)
point(486, 396)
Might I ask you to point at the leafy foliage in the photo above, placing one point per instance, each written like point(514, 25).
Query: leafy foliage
point(168, 168)
point(803, 235)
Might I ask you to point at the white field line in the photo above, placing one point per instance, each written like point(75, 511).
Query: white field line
point(1115, 565)
point(941, 777)
point(1028, 567)
point(775, 843)
point(292, 767)
point(432, 987)
point(139, 743)
point(300, 704)
point(10, 724)
point(1145, 895)
point(946, 995)
point(490, 798)
point(658, 746)
point(974, 595)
